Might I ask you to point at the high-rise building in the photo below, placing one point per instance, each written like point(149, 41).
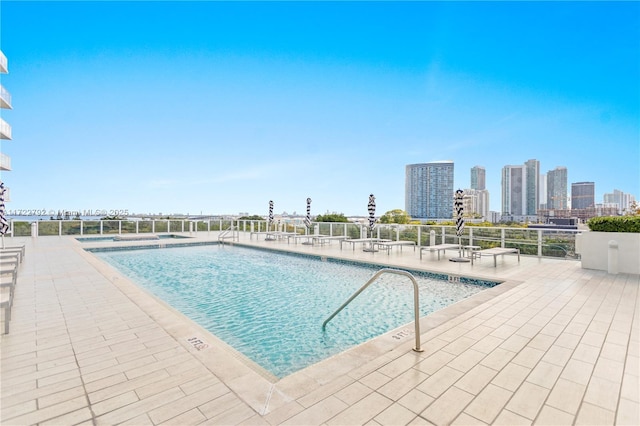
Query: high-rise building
point(5, 128)
point(521, 189)
point(429, 190)
point(476, 203)
point(514, 189)
point(478, 178)
point(557, 189)
point(543, 191)
point(583, 195)
point(619, 198)
point(532, 187)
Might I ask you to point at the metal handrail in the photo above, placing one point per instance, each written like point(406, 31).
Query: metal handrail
point(416, 297)
point(235, 233)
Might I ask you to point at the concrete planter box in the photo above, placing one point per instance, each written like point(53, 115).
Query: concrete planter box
point(615, 252)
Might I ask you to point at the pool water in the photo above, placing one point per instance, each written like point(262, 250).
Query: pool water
point(271, 306)
point(113, 238)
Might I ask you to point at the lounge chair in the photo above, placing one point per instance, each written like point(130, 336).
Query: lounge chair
point(257, 234)
point(308, 237)
point(495, 252)
point(8, 279)
point(388, 245)
point(355, 241)
point(322, 239)
point(278, 235)
point(439, 248)
point(10, 257)
point(16, 249)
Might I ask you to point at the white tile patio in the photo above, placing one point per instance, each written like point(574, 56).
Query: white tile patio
point(553, 344)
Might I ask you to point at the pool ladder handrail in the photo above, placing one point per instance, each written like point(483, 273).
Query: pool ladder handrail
point(416, 301)
point(235, 234)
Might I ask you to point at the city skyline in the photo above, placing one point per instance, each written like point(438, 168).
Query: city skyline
point(566, 201)
point(217, 108)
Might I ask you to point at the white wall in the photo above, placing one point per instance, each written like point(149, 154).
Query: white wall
point(594, 250)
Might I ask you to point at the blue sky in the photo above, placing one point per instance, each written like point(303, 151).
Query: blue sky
point(212, 107)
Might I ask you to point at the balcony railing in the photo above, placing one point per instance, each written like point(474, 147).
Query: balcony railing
point(3, 63)
point(5, 98)
point(533, 242)
point(5, 162)
point(5, 130)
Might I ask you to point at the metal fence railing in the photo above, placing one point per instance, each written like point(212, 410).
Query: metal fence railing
point(535, 242)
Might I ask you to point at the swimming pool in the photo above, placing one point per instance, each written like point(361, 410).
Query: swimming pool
point(129, 237)
point(270, 306)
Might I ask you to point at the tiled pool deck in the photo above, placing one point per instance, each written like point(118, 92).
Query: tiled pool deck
point(554, 345)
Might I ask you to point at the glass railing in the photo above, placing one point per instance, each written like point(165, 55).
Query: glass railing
point(5, 162)
point(5, 129)
point(533, 242)
point(3, 63)
point(5, 95)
